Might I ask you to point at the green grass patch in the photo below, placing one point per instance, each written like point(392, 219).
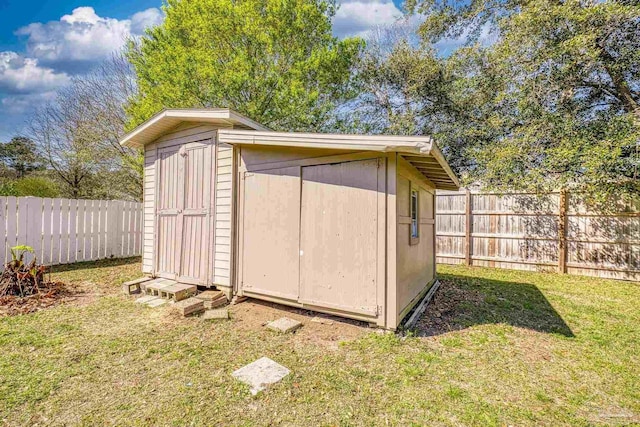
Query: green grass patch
point(509, 348)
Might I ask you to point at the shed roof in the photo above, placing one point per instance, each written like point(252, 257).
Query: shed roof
point(421, 151)
point(167, 119)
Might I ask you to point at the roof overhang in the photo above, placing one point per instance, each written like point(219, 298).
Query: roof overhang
point(165, 120)
point(421, 151)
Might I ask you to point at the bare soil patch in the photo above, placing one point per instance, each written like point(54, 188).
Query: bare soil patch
point(253, 314)
point(443, 311)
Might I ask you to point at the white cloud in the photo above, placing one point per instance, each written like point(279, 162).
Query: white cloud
point(19, 75)
point(358, 18)
point(22, 103)
point(145, 19)
point(83, 35)
point(54, 51)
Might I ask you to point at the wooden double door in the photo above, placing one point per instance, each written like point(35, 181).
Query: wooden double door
point(310, 235)
point(184, 186)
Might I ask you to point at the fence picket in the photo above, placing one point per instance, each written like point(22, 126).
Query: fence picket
point(91, 245)
point(102, 229)
point(12, 224)
point(34, 227)
point(47, 217)
point(80, 231)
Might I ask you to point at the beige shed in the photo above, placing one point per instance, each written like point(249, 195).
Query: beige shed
point(342, 224)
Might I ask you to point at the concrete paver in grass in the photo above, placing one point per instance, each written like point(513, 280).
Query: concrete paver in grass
point(259, 374)
point(151, 301)
point(145, 299)
point(157, 302)
point(284, 325)
point(219, 314)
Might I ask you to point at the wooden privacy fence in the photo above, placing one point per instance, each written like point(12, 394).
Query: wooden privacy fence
point(554, 231)
point(63, 231)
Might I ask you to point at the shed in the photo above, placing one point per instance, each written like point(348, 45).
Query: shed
point(341, 224)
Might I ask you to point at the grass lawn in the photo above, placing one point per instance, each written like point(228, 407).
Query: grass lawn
point(496, 347)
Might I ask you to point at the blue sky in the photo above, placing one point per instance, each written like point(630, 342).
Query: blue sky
point(45, 43)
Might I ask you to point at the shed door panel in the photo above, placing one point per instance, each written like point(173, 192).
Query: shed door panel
point(338, 251)
point(196, 232)
point(169, 181)
point(271, 224)
point(184, 187)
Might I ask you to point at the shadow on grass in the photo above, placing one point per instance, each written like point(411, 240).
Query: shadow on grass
point(88, 265)
point(464, 301)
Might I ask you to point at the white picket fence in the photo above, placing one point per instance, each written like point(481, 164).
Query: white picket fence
point(63, 231)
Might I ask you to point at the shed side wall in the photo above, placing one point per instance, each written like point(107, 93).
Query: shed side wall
point(415, 262)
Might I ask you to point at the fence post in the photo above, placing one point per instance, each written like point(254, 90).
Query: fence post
point(562, 233)
point(467, 231)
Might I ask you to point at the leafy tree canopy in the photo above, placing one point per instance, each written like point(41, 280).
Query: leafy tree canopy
point(275, 61)
point(20, 155)
point(552, 102)
point(36, 186)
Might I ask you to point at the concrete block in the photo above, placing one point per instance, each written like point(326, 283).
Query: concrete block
point(189, 306)
point(259, 374)
point(284, 325)
point(133, 286)
point(220, 314)
point(154, 287)
point(178, 291)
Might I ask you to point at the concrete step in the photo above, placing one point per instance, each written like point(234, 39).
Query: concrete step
point(133, 286)
point(153, 287)
point(216, 303)
point(213, 299)
point(189, 306)
point(178, 291)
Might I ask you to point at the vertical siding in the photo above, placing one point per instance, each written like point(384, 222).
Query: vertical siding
point(149, 209)
point(223, 211)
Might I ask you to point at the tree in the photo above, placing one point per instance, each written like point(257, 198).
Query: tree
point(275, 61)
point(406, 88)
point(554, 102)
point(36, 186)
point(66, 137)
point(78, 134)
point(20, 155)
point(103, 94)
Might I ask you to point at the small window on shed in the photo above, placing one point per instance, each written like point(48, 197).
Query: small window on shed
point(415, 230)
